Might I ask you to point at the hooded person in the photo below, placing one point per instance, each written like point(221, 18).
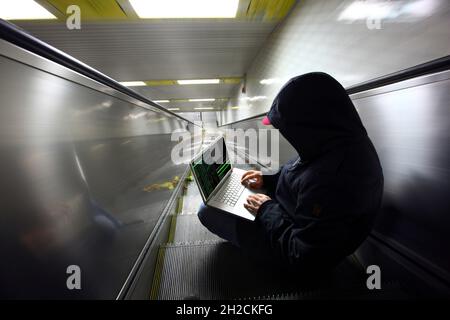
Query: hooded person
point(319, 206)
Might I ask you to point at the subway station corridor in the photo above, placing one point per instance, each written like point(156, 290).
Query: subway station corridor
point(106, 105)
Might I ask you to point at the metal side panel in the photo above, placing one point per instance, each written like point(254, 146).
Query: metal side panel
point(139, 283)
point(85, 176)
point(409, 124)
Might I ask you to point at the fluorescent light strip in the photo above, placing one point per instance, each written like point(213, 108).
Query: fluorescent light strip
point(23, 10)
point(270, 81)
point(256, 98)
point(160, 9)
point(133, 83)
point(199, 81)
point(162, 101)
point(173, 109)
point(202, 100)
point(204, 108)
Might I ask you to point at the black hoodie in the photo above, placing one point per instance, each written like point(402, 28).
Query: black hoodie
point(324, 201)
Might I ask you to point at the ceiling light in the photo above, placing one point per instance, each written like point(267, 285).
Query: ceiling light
point(173, 109)
point(137, 115)
point(356, 10)
point(162, 101)
point(258, 98)
point(362, 10)
point(199, 81)
point(234, 108)
point(400, 10)
point(133, 83)
point(23, 10)
point(185, 8)
point(202, 100)
point(269, 81)
point(255, 98)
point(204, 108)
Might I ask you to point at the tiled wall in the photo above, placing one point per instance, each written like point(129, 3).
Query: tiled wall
point(319, 36)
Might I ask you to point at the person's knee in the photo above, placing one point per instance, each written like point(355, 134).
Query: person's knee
point(208, 218)
point(220, 224)
point(203, 214)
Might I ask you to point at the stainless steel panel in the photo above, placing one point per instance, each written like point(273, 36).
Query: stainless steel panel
point(409, 124)
point(85, 174)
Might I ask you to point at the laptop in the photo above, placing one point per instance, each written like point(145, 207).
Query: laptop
point(219, 182)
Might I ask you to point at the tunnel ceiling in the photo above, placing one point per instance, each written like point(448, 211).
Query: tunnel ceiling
point(114, 40)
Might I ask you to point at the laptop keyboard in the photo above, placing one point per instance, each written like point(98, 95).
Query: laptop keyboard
point(232, 190)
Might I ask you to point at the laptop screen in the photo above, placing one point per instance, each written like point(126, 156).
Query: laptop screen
point(212, 167)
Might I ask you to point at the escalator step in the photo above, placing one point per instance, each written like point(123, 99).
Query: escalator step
point(218, 270)
point(207, 270)
point(189, 229)
point(388, 291)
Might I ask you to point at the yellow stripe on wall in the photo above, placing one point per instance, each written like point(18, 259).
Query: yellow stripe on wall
point(269, 10)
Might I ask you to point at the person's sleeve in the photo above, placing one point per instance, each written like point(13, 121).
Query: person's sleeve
point(270, 181)
point(299, 240)
point(281, 231)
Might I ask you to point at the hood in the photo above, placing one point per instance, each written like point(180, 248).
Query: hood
point(315, 114)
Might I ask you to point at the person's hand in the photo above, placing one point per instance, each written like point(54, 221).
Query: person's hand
point(252, 179)
point(255, 201)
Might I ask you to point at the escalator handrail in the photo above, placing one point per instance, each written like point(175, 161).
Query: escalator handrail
point(256, 116)
point(20, 38)
point(433, 66)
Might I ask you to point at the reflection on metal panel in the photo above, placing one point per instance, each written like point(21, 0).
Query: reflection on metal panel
point(75, 166)
point(409, 124)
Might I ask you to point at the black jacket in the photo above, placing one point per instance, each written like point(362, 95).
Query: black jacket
point(324, 201)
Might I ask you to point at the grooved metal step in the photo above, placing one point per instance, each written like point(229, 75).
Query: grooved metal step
point(188, 228)
point(388, 291)
point(218, 270)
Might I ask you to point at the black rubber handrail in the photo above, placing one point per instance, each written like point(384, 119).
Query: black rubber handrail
point(430, 67)
point(256, 116)
point(20, 38)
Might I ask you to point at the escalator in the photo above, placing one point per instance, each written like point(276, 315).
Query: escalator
point(130, 214)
